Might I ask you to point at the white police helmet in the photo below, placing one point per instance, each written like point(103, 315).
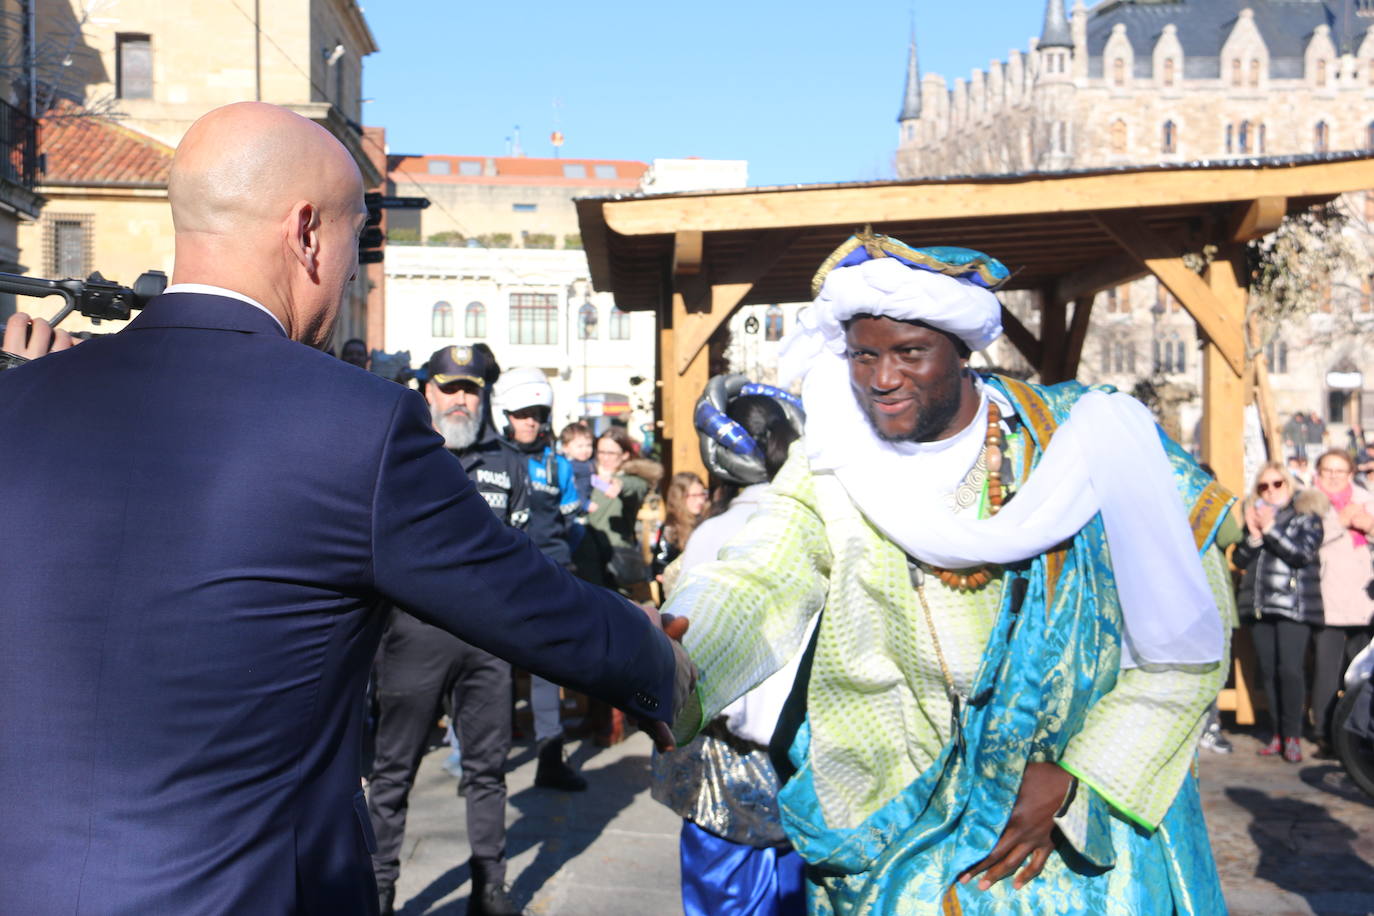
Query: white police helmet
point(524, 386)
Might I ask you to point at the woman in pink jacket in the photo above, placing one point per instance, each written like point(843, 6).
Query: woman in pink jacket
point(1347, 581)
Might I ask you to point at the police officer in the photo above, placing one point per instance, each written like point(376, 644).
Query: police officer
point(523, 407)
point(419, 665)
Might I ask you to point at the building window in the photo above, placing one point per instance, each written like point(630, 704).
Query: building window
point(574, 170)
point(1168, 71)
point(475, 321)
point(524, 208)
point(134, 66)
point(1169, 141)
point(1230, 138)
point(1254, 72)
point(1235, 71)
point(1321, 137)
point(470, 168)
point(441, 320)
point(1118, 136)
point(1367, 294)
point(439, 167)
point(1243, 136)
point(586, 322)
point(620, 324)
point(67, 244)
point(1277, 356)
point(1369, 136)
point(605, 171)
point(1321, 73)
point(772, 323)
point(1119, 72)
point(533, 318)
point(1260, 144)
point(1118, 355)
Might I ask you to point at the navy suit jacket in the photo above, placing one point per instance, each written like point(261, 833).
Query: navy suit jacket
point(201, 522)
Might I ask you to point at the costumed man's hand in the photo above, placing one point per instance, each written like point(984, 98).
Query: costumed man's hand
point(1044, 788)
point(31, 338)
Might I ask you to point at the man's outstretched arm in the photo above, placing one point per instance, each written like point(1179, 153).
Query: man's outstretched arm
point(749, 609)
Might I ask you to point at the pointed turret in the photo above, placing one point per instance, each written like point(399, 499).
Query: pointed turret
point(911, 98)
point(1056, 33)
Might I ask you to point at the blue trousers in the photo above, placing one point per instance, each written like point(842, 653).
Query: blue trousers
point(721, 878)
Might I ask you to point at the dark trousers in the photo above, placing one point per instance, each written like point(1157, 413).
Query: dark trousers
point(1334, 647)
point(418, 666)
point(1281, 647)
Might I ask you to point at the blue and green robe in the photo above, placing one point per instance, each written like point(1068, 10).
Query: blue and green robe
point(891, 802)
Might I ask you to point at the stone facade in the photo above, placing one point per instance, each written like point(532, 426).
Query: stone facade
point(1132, 82)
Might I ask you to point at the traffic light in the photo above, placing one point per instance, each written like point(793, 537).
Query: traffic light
point(372, 240)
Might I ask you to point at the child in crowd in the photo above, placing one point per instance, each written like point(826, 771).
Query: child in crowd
point(575, 442)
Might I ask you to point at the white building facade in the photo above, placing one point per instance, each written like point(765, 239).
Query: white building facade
point(532, 307)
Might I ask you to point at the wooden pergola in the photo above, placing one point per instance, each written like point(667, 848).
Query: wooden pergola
point(694, 258)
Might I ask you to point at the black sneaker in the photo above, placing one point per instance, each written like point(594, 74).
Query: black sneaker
point(386, 900)
point(493, 900)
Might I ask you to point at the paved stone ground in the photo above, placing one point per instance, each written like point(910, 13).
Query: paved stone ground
point(1289, 840)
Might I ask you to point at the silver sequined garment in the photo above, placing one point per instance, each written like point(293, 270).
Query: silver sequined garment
point(724, 785)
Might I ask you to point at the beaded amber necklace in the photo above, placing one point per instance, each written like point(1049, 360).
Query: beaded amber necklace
point(994, 448)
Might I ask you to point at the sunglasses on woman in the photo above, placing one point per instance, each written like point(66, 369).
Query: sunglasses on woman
point(1266, 486)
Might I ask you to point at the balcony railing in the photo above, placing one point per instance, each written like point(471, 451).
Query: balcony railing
point(18, 146)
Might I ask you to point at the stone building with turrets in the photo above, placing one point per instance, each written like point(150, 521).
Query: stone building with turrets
point(1137, 82)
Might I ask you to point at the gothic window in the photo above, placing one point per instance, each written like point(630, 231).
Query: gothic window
point(533, 318)
point(1169, 354)
point(1321, 137)
point(1254, 72)
point(1230, 138)
point(586, 322)
point(1260, 145)
point(475, 321)
point(441, 320)
point(1119, 356)
point(1243, 136)
point(1119, 72)
point(1059, 137)
point(1235, 71)
point(772, 323)
point(1169, 141)
point(620, 324)
point(1168, 71)
point(1118, 136)
point(1276, 355)
point(1321, 73)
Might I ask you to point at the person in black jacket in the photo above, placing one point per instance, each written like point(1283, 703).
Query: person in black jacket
point(1280, 596)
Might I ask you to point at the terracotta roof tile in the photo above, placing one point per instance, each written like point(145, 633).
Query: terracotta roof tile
point(97, 151)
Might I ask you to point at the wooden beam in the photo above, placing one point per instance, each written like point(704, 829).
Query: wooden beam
point(853, 206)
point(1078, 332)
point(1165, 261)
point(1021, 338)
point(1104, 274)
point(687, 253)
point(681, 390)
point(1258, 218)
point(725, 289)
point(1223, 402)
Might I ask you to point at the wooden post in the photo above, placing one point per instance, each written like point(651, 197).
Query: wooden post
point(682, 386)
point(1053, 337)
point(1223, 405)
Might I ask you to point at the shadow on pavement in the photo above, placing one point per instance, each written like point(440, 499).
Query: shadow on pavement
point(1302, 848)
point(437, 890)
point(1331, 778)
point(563, 825)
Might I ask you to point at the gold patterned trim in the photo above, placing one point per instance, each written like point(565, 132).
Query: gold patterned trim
point(949, 904)
point(881, 246)
point(1207, 511)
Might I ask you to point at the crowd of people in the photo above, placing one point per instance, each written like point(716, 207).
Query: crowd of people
point(1306, 593)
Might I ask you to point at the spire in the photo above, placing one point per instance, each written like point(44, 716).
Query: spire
point(911, 99)
point(1056, 33)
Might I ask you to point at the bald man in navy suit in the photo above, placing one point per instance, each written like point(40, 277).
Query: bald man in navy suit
point(205, 518)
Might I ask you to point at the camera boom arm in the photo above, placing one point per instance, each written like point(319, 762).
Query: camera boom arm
point(95, 297)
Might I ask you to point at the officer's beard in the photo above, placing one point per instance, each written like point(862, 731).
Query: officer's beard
point(458, 427)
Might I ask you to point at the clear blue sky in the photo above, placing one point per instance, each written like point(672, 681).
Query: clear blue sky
point(806, 91)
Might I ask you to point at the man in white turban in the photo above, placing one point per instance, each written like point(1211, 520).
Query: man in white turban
point(1022, 616)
